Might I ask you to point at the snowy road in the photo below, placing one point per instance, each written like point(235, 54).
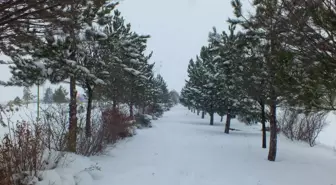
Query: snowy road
point(182, 149)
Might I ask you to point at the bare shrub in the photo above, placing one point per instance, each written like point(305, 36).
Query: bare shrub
point(302, 126)
point(55, 121)
point(27, 148)
point(108, 127)
point(89, 146)
point(6, 112)
point(21, 154)
point(116, 125)
point(288, 123)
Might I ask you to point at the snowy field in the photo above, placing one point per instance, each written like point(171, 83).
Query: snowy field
point(183, 149)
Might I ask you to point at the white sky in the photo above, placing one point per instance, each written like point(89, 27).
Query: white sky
point(178, 29)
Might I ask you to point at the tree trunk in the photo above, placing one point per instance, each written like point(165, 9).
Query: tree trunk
point(221, 118)
point(228, 122)
point(263, 123)
point(203, 114)
point(212, 118)
point(198, 112)
point(114, 105)
point(143, 109)
point(72, 136)
point(131, 110)
point(38, 103)
point(273, 133)
point(88, 112)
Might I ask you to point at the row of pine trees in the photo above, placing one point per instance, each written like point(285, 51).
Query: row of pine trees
point(86, 44)
point(282, 55)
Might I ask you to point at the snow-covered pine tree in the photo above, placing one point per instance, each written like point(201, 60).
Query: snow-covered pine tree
point(159, 101)
point(137, 67)
point(22, 21)
point(111, 52)
point(209, 86)
point(60, 95)
point(17, 101)
point(254, 86)
point(48, 96)
point(267, 23)
point(201, 89)
point(130, 71)
point(95, 60)
point(174, 95)
point(184, 99)
point(164, 93)
point(192, 95)
point(27, 96)
point(230, 67)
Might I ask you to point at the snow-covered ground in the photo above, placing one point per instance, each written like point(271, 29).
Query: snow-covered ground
point(183, 149)
point(328, 135)
point(70, 169)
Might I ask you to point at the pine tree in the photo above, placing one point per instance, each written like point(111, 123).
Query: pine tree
point(60, 95)
point(267, 24)
point(130, 71)
point(48, 96)
point(27, 96)
point(174, 95)
point(312, 72)
point(201, 90)
point(21, 21)
point(228, 59)
point(17, 101)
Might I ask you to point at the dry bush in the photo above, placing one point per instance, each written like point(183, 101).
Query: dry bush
point(116, 125)
point(6, 112)
point(107, 127)
point(24, 150)
point(89, 146)
point(302, 126)
point(55, 121)
point(21, 150)
point(21, 154)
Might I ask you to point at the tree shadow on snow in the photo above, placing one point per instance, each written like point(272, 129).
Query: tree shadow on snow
point(243, 133)
point(233, 132)
point(202, 123)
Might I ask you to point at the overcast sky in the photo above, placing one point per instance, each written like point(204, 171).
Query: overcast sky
point(178, 29)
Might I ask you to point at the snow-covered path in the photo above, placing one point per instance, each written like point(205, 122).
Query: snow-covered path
point(182, 149)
